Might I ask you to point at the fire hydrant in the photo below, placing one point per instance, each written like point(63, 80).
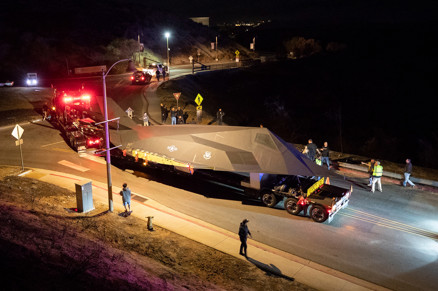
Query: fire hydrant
point(150, 227)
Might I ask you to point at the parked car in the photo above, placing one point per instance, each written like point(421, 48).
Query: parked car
point(140, 77)
point(32, 79)
point(7, 84)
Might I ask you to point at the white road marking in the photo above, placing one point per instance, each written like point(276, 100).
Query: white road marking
point(46, 145)
point(73, 166)
point(94, 158)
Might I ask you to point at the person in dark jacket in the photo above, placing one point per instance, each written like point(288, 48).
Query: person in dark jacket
point(312, 149)
point(325, 155)
point(126, 197)
point(179, 115)
point(219, 116)
point(157, 74)
point(243, 234)
point(408, 172)
point(163, 113)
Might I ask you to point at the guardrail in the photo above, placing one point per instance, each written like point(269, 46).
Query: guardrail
point(223, 66)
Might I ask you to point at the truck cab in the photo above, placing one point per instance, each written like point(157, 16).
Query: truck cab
point(32, 79)
point(301, 193)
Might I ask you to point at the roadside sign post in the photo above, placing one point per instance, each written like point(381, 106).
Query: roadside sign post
point(17, 132)
point(237, 55)
point(177, 95)
point(198, 100)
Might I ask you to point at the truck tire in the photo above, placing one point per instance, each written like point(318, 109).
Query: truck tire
point(269, 199)
point(318, 213)
point(292, 207)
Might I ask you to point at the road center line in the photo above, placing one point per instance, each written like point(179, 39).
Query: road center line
point(46, 145)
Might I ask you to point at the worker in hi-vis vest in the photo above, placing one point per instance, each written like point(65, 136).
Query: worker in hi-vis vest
point(377, 175)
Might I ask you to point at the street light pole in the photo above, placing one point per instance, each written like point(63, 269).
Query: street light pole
point(107, 139)
point(216, 49)
point(167, 34)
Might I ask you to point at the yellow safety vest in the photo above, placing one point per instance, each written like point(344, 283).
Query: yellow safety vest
point(378, 171)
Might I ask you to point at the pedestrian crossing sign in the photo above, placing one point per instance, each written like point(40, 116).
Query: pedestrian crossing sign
point(199, 99)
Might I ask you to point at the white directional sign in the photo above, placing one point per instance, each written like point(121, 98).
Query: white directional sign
point(17, 132)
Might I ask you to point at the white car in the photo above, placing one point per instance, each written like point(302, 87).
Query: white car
point(32, 79)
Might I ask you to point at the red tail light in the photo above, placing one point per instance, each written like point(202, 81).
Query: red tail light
point(68, 99)
point(132, 77)
point(85, 97)
point(142, 78)
point(93, 142)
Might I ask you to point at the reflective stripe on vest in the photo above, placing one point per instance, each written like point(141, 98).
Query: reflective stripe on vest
point(318, 162)
point(378, 171)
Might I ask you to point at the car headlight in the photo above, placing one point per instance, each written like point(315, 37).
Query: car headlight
point(28, 82)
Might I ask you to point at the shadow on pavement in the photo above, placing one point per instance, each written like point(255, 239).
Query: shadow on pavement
point(269, 269)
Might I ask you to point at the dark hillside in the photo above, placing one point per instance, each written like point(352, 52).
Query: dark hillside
point(367, 106)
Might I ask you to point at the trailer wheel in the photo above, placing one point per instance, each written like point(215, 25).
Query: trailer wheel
point(269, 199)
point(292, 207)
point(318, 213)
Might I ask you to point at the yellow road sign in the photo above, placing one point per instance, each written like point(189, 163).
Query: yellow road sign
point(199, 107)
point(199, 99)
point(237, 52)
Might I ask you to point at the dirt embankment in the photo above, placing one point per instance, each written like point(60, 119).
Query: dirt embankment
point(46, 245)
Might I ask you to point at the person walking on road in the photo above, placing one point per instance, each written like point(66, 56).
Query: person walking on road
point(312, 149)
point(243, 235)
point(408, 172)
point(173, 116)
point(126, 197)
point(377, 175)
point(370, 165)
point(325, 155)
point(157, 74)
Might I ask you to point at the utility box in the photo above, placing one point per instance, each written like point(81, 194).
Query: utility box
point(84, 196)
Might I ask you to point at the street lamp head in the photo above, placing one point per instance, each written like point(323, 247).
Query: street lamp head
point(167, 34)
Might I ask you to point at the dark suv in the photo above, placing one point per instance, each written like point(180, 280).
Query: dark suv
point(140, 78)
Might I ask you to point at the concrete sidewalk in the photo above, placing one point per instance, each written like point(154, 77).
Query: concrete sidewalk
point(277, 261)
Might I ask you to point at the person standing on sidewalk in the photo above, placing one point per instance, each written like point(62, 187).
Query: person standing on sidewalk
point(325, 154)
point(243, 234)
point(145, 119)
point(408, 172)
point(377, 175)
point(219, 116)
point(370, 165)
point(126, 197)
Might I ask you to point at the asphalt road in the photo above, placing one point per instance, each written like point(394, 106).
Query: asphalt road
point(388, 238)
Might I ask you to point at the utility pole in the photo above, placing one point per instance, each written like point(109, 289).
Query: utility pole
point(216, 49)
